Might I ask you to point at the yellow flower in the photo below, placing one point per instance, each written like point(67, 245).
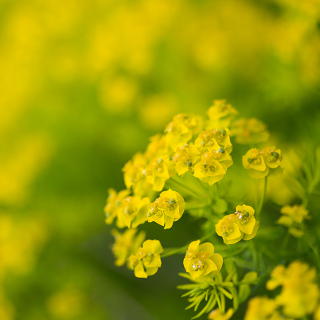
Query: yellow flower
point(219, 315)
point(228, 228)
point(132, 212)
point(272, 157)
point(208, 169)
point(293, 217)
point(200, 259)
point(146, 260)
point(158, 172)
point(113, 203)
point(214, 139)
point(299, 295)
point(249, 131)
point(185, 158)
point(261, 308)
point(220, 114)
point(254, 161)
point(181, 129)
point(317, 313)
point(166, 209)
point(239, 225)
point(125, 244)
point(246, 221)
point(135, 175)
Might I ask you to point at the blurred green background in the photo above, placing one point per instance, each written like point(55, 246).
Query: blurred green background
point(83, 85)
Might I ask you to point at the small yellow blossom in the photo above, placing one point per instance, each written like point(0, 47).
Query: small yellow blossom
point(182, 128)
point(228, 228)
point(239, 225)
point(200, 259)
point(208, 169)
point(125, 244)
point(299, 295)
point(249, 131)
point(219, 315)
point(261, 308)
point(135, 175)
point(214, 139)
point(185, 158)
point(254, 161)
point(132, 212)
point(221, 114)
point(158, 172)
point(272, 157)
point(113, 203)
point(146, 260)
point(293, 217)
point(166, 209)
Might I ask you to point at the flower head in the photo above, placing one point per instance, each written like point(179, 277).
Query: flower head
point(293, 217)
point(185, 158)
point(146, 260)
point(200, 259)
point(249, 131)
point(239, 225)
point(132, 212)
point(114, 201)
point(299, 294)
point(221, 114)
point(181, 129)
point(208, 169)
point(125, 244)
point(272, 157)
point(254, 161)
point(166, 209)
point(219, 315)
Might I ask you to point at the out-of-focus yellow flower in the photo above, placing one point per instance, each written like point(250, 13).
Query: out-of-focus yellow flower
point(293, 217)
point(112, 206)
point(254, 161)
point(220, 114)
point(299, 295)
point(219, 315)
point(200, 259)
point(146, 261)
point(239, 225)
point(185, 158)
point(126, 244)
point(228, 228)
point(67, 303)
point(132, 212)
point(249, 131)
point(272, 157)
point(317, 313)
point(208, 169)
point(168, 208)
point(262, 308)
point(182, 128)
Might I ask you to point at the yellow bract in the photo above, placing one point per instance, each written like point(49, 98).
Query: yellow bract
point(200, 259)
point(239, 225)
point(219, 315)
point(146, 260)
point(125, 244)
point(299, 295)
point(185, 158)
point(221, 114)
point(258, 162)
point(166, 209)
point(114, 201)
point(249, 131)
point(293, 217)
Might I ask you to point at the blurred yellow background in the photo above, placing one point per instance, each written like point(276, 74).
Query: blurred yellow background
point(83, 85)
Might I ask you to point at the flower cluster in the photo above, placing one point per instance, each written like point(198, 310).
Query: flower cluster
point(293, 217)
point(259, 162)
point(186, 170)
point(238, 225)
point(298, 298)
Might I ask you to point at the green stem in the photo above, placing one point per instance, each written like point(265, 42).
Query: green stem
point(263, 195)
